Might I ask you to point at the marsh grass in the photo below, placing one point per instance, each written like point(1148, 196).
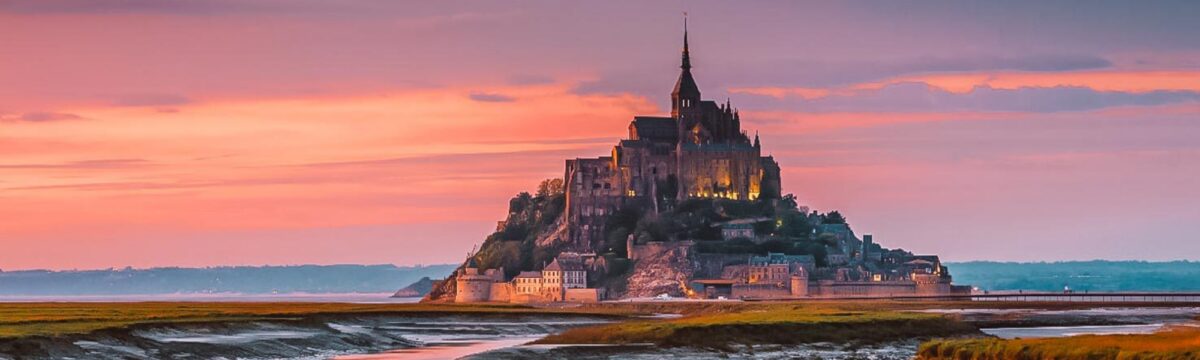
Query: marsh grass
point(770, 324)
point(1174, 343)
point(53, 319)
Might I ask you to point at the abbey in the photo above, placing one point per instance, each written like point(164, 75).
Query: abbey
point(696, 211)
point(699, 151)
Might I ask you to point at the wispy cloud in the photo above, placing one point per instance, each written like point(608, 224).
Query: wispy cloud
point(40, 116)
point(82, 164)
point(152, 100)
point(491, 97)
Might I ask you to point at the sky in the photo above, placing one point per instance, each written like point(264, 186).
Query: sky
point(228, 132)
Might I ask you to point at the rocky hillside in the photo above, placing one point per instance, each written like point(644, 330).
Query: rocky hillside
point(523, 241)
point(534, 231)
point(417, 289)
point(661, 272)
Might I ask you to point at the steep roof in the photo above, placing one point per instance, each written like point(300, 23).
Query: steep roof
point(654, 128)
point(686, 84)
point(565, 264)
point(529, 274)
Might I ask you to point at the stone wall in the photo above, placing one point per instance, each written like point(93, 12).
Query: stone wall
point(654, 249)
point(760, 291)
point(501, 292)
point(711, 266)
point(589, 295)
point(473, 288)
point(826, 288)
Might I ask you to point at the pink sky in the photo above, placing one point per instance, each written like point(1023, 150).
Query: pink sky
point(146, 133)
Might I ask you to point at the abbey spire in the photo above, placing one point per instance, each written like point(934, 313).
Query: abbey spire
point(687, 58)
point(686, 94)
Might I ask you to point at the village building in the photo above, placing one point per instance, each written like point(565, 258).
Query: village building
point(564, 279)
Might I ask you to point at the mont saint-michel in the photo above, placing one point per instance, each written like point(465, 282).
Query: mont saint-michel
point(686, 205)
point(619, 179)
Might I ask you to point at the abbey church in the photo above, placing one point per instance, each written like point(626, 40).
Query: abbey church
point(700, 151)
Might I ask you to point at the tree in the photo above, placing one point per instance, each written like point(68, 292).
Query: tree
point(550, 187)
point(833, 217)
point(788, 202)
point(519, 203)
point(794, 224)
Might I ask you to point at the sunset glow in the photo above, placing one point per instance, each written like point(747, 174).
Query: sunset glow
point(149, 134)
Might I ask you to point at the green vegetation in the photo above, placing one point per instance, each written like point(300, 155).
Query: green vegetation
point(1176, 343)
point(51, 319)
point(787, 229)
point(513, 246)
point(781, 323)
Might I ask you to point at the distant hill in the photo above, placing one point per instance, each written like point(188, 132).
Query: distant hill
point(234, 279)
point(417, 289)
point(1097, 275)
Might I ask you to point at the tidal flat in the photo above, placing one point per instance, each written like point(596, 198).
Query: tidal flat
point(658, 329)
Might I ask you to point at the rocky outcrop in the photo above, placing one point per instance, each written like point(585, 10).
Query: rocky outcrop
point(660, 268)
point(417, 289)
point(534, 232)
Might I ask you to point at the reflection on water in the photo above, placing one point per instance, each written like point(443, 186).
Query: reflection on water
point(1061, 331)
point(459, 336)
point(448, 349)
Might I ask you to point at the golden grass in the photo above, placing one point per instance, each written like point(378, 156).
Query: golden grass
point(769, 323)
point(1174, 343)
point(51, 319)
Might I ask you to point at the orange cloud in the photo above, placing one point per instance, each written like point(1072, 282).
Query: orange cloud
point(403, 157)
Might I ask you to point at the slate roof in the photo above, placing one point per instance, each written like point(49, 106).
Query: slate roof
point(529, 274)
point(565, 265)
point(655, 128)
point(686, 84)
point(780, 258)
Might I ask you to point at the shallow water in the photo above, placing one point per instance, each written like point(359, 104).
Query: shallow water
point(450, 349)
point(455, 338)
point(901, 350)
point(1103, 311)
point(1064, 331)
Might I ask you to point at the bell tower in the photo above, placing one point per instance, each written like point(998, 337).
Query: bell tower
point(685, 98)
